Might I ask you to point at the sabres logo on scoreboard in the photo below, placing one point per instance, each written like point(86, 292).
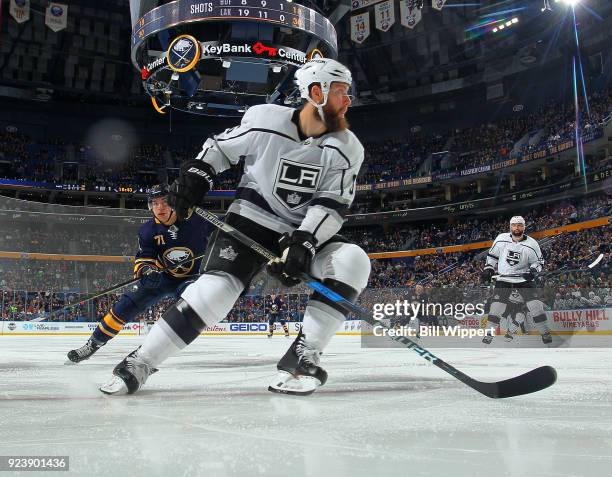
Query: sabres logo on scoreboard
point(183, 53)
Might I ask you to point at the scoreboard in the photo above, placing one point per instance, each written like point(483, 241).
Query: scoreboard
point(273, 12)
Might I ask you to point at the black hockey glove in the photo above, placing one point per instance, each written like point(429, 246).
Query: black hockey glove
point(531, 275)
point(298, 252)
point(195, 179)
point(150, 277)
point(487, 274)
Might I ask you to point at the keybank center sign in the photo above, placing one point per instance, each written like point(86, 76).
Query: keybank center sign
point(283, 54)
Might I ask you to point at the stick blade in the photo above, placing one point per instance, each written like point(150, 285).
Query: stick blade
point(530, 382)
point(595, 262)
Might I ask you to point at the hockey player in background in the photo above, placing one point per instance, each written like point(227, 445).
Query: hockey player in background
point(163, 241)
point(277, 311)
point(300, 169)
point(518, 260)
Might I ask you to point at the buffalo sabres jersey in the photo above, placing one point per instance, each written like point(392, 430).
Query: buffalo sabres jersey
point(514, 258)
point(277, 305)
point(166, 245)
point(289, 181)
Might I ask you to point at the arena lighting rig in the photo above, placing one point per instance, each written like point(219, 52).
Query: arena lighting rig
point(219, 57)
point(548, 8)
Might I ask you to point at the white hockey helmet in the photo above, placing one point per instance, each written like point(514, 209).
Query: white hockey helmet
point(517, 219)
point(324, 71)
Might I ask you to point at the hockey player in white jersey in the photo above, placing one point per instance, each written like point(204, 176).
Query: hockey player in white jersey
point(517, 259)
point(300, 169)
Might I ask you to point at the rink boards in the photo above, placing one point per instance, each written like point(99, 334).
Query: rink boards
point(590, 321)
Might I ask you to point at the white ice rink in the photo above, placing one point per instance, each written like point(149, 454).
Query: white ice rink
point(383, 412)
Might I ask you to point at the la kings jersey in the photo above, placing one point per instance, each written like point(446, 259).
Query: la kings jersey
point(514, 258)
point(289, 181)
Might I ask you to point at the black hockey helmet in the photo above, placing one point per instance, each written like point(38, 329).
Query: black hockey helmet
point(156, 192)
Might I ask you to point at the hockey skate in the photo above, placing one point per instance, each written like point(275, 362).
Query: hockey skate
point(299, 372)
point(488, 339)
point(129, 375)
point(508, 336)
point(269, 335)
point(547, 338)
point(84, 352)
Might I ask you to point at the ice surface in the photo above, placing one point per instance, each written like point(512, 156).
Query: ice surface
point(383, 412)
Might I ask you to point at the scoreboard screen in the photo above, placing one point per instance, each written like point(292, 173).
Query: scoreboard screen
point(272, 12)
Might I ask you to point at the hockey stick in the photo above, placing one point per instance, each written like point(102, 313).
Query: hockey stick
point(595, 262)
point(111, 289)
point(532, 381)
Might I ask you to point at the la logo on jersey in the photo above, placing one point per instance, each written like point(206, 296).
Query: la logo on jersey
point(296, 183)
point(513, 257)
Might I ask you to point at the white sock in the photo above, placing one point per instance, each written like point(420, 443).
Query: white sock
point(161, 343)
point(542, 327)
point(321, 322)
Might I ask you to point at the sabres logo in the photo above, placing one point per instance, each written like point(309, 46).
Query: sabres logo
point(175, 255)
point(184, 53)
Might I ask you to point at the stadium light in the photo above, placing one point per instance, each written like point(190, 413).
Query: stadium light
point(571, 3)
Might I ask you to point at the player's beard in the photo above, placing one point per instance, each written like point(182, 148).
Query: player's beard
point(517, 235)
point(334, 121)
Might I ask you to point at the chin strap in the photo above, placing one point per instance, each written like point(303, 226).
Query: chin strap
point(319, 107)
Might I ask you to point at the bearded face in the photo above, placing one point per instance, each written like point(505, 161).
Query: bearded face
point(334, 119)
point(517, 230)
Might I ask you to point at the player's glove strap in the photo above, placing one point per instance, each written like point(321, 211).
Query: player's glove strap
point(298, 252)
point(196, 178)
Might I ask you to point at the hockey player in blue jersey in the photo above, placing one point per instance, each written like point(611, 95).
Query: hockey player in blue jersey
point(163, 242)
point(277, 311)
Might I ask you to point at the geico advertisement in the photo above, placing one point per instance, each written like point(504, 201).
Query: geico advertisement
point(248, 328)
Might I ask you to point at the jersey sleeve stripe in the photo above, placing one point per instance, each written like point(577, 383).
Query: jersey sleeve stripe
point(332, 196)
point(331, 204)
point(348, 162)
point(319, 226)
